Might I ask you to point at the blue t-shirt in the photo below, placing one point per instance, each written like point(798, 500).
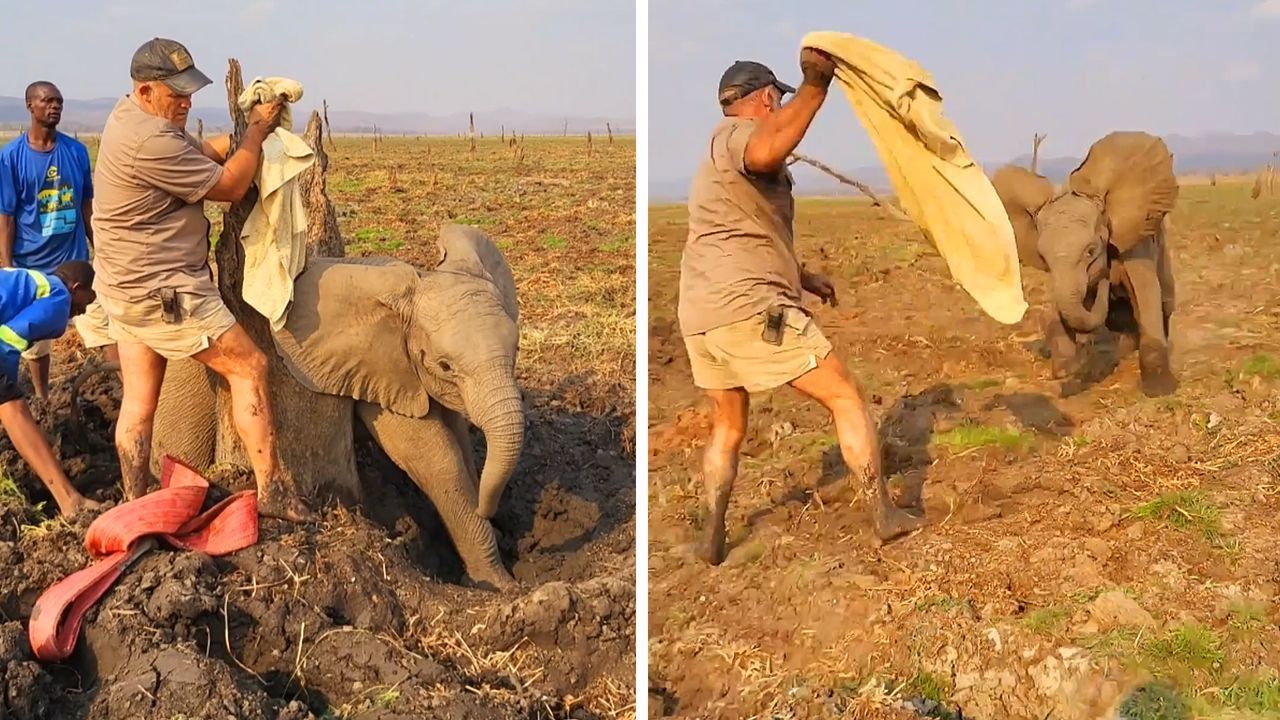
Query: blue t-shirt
point(45, 192)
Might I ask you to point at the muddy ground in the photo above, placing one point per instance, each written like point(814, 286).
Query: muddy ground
point(1082, 539)
point(364, 616)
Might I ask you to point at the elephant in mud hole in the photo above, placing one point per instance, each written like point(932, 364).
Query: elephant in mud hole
point(1102, 240)
point(420, 353)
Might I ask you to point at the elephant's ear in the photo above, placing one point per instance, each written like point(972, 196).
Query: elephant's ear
point(345, 333)
point(1023, 193)
point(467, 250)
point(1132, 174)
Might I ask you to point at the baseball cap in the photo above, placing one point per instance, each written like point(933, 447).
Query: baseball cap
point(169, 62)
point(745, 77)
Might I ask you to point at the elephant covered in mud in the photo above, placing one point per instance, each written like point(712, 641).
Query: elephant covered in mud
point(1102, 240)
point(420, 353)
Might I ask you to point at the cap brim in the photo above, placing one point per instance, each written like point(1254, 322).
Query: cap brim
point(785, 88)
point(188, 82)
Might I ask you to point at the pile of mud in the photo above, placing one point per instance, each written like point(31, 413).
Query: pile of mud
point(363, 615)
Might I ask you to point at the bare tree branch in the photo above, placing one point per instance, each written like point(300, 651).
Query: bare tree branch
point(863, 187)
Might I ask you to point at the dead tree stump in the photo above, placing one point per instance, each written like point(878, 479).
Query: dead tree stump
point(314, 432)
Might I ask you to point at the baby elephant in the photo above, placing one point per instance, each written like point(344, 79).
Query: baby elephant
point(1101, 238)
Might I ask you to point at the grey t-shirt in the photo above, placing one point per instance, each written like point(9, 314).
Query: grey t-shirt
point(739, 257)
point(149, 228)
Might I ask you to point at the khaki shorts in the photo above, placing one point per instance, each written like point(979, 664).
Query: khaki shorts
point(203, 319)
point(736, 355)
point(92, 326)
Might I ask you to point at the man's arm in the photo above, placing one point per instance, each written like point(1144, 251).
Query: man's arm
point(776, 135)
point(8, 231)
point(86, 211)
point(8, 212)
point(239, 170)
point(86, 204)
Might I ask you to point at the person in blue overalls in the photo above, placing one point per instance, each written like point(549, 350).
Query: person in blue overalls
point(46, 193)
point(35, 307)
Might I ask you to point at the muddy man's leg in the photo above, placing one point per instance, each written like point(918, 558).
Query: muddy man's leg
point(720, 466)
point(830, 385)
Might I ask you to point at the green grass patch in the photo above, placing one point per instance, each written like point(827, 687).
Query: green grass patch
point(1247, 616)
point(376, 240)
point(1154, 701)
point(1186, 510)
point(1262, 365)
point(346, 185)
point(970, 436)
point(1047, 621)
point(618, 244)
point(554, 242)
point(1186, 648)
point(10, 493)
point(482, 221)
point(981, 384)
point(928, 686)
point(1259, 694)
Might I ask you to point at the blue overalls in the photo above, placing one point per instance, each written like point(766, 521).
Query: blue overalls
point(33, 306)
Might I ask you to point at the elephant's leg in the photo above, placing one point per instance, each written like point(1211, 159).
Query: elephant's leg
point(427, 449)
point(186, 417)
point(1148, 305)
point(1063, 351)
point(458, 426)
point(1164, 272)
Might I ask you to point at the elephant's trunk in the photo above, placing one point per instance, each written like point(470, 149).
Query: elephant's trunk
point(1069, 298)
point(494, 406)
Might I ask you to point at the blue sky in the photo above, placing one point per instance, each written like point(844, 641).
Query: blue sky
point(436, 56)
point(1074, 69)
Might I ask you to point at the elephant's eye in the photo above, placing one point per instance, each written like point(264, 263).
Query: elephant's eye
point(445, 366)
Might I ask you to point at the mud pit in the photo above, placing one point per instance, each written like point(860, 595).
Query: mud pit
point(360, 617)
point(1082, 538)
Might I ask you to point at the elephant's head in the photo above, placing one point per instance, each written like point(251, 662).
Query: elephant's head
point(379, 330)
point(1117, 197)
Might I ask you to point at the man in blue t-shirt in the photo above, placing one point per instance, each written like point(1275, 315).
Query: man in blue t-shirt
point(46, 189)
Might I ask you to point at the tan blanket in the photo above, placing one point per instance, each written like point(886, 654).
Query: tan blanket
point(941, 188)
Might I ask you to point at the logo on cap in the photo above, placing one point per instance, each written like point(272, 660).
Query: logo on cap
point(181, 59)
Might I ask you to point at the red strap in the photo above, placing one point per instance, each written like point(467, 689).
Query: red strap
point(126, 532)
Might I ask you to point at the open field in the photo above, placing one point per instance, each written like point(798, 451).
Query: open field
point(1077, 545)
point(365, 615)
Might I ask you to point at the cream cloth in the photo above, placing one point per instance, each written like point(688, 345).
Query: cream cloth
point(275, 234)
point(941, 188)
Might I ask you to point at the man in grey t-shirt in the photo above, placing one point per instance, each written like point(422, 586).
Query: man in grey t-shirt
point(740, 308)
point(151, 255)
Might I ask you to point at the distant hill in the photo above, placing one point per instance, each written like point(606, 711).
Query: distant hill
point(90, 115)
point(1217, 152)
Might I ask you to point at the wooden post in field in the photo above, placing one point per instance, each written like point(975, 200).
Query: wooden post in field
point(1036, 139)
point(609, 129)
point(471, 130)
point(328, 129)
point(504, 134)
point(200, 129)
point(1213, 179)
point(566, 127)
point(590, 147)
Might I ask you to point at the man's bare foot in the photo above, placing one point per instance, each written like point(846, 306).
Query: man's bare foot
point(276, 502)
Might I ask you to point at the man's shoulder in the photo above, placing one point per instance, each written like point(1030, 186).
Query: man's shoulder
point(732, 123)
point(14, 146)
point(71, 143)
